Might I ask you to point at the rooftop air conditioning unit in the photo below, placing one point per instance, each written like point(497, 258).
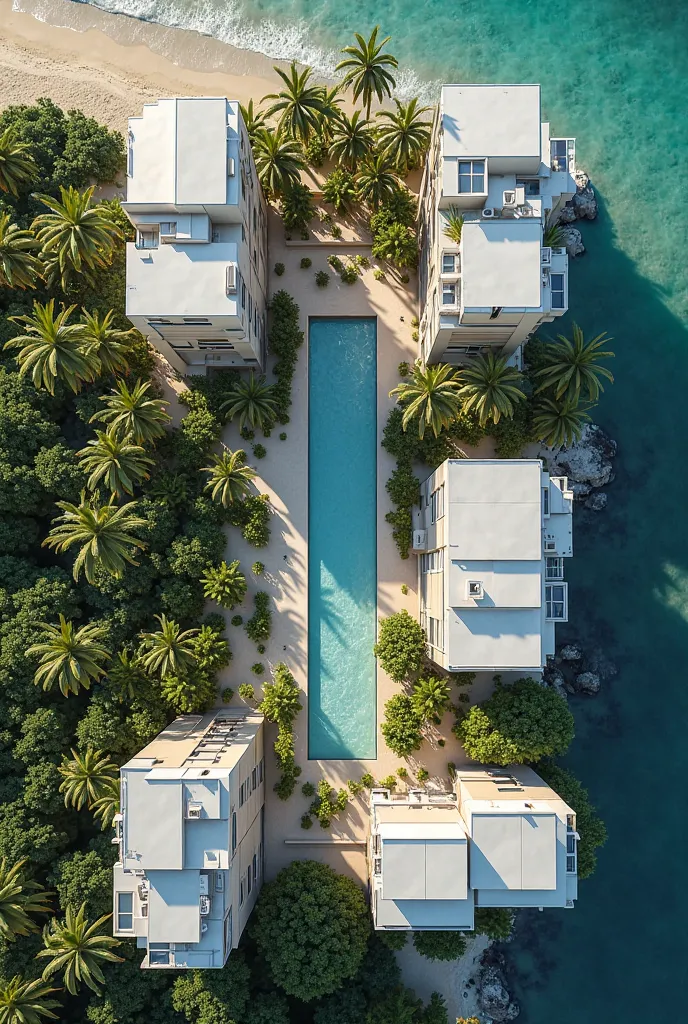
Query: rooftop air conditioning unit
point(545, 256)
point(204, 905)
point(476, 590)
point(420, 540)
point(193, 810)
point(488, 212)
point(509, 197)
point(231, 279)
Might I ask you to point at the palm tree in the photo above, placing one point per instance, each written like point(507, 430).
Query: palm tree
point(230, 480)
point(106, 343)
point(125, 675)
point(331, 110)
point(490, 388)
point(559, 422)
point(133, 412)
point(17, 166)
point(71, 657)
point(115, 461)
point(404, 136)
point(224, 584)
point(253, 401)
point(254, 120)
point(170, 488)
point(352, 140)
point(299, 104)
point(104, 533)
point(376, 182)
point(87, 778)
point(553, 233)
point(76, 237)
point(453, 224)
point(51, 349)
point(19, 897)
point(279, 161)
point(105, 808)
point(75, 948)
point(169, 650)
point(572, 368)
point(366, 69)
point(19, 268)
point(431, 697)
point(430, 396)
point(25, 1002)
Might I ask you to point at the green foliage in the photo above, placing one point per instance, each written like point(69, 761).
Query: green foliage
point(389, 782)
point(400, 1006)
point(453, 224)
point(259, 625)
point(311, 926)
point(430, 397)
point(396, 244)
point(495, 922)
point(227, 694)
point(339, 190)
point(296, 207)
point(258, 568)
point(328, 803)
point(259, 451)
point(236, 620)
point(213, 997)
point(258, 668)
point(431, 697)
point(402, 725)
point(322, 278)
point(306, 263)
point(279, 269)
point(589, 825)
point(393, 940)
point(422, 774)
point(85, 877)
point(401, 646)
point(285, 337)
point(281, 705)
point(349, 275)
point(225, 584)
point(518, 723)
point(308, 789)
point(438, 945)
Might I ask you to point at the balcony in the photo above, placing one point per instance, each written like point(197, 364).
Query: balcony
point(562, 155)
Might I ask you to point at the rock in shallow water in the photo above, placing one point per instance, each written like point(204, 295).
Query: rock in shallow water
point(494, 999)
point(587, 682)
point(571, 652)
point(573, 240)
point(587, 463)
point(584, 202)
point(597, 502)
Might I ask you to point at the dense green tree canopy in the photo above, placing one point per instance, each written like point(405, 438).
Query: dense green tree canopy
point(401, 646)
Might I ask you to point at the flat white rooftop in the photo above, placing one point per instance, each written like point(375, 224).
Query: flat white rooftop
point(500, 262)
point(491, 120)
point(180, 280)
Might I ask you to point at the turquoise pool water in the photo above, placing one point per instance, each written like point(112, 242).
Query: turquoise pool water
point(342, 544)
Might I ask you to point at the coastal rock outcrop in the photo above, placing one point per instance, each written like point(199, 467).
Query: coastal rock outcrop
point(583, 205)
point(597, 502)
point(587, 682)
point(575, 669)
point(494, 998)
point(587, 463)
point(573, 241)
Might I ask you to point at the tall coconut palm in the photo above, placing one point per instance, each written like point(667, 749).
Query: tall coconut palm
point(331, 110)
point(376, 181)
point(299, 103)
point(430, 396)
point(134, 412)
point(25, 1002)
point(403, 135)
point(490, 388)
point(253, 119)
point(17, 166)
point(572, 368)
point(253, 401)
point(352, 140)
point(224, 584)
point(169, 650)
point(105, 808)
point(230, 480)
point(19, 267)
point(367, 69)
point(109, 345)
point(76, 950)
point(104, 533)
point(87, 777)
point(279, 161)
point(76, 237)
point(559, 422)
point(51, 349)
point(125, 675)
point(19, 897)
point(553, 234)
point(431, 697)
point(114, 461)
point(72, 658)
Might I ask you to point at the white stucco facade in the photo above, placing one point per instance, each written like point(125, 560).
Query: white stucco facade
point(196, 273)
point(493, 162)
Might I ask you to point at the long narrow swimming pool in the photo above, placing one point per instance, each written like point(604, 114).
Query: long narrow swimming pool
point(342, 549)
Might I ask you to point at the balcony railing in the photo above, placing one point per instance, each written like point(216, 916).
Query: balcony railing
point(562, 155)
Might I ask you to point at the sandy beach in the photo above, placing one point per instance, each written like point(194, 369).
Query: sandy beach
point(110, 65)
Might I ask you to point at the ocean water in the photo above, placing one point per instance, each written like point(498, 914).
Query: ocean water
point(614, 74)
point(342, 537)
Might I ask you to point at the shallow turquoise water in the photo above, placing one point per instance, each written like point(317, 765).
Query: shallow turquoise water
point(342, 544)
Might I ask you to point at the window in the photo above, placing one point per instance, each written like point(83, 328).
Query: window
point(436, 633)
point(147, 238)
point(243, 295)
point(471, 176)
point(168, 227)
point(571, 864)
point(556, 601)
point(433, 561)
point(255, 867)
point(242, 794)
point(241, 893)
point(260, 770)
point(234, 833)
point(554, 567)
point(215, 343)
point(125, 911)
point(556, 283)
point(466, 350)
point(448, 263)
point(448, 294)
point(179, 344)
point(496, 311)
point(437, 504)
point(531, 186)
point(196, 320)
point(254, 778)
point(545, 501)
point(228, 931)
point(249, 879)
point(159, 954)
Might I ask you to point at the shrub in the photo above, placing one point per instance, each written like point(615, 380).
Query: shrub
point(322, 279)
point(438, 945)
point(422, 774)
point(402, 725)
point(404, 279)
point(393, 940)
point(402, 772)
point(339, 189)
point(247, 691)
point(462, 678)
point(389, 782)
point(281, 705)
point(401, 645)
point(236, 620)
point(336, 263)
point(261, 648)
point(279, 269)
point(336, 231)
point(315, 150)
point(431, 697)
point(311, 926)
point(402, 529)
point(296, 207)
point(283, 436)
point(258, 668)
point(349, 274)
point(258, 568)
point(259, 625)
point(518, 723)
point(284, 340)
point(589, 825)
point(367, 780)
point(259, 451)
point(253, 516)
point(404, 589)
point(355, 787)
point(328, 803)
point(396, 244)
point(379, 274)
point(399, 208)
point(227, 694)
point(306, 263)
point(403, 369)
point(306, 821)
point(308, 789)
point(495, 922)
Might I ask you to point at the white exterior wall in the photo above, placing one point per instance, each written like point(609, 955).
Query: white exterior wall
point(501, 127)
point(190, 164)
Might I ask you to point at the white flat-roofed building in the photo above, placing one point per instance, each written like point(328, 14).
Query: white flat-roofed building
point(492, 161)
point(190, 835)
point(197, 269)
point(503, 838)
point(491, 537)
